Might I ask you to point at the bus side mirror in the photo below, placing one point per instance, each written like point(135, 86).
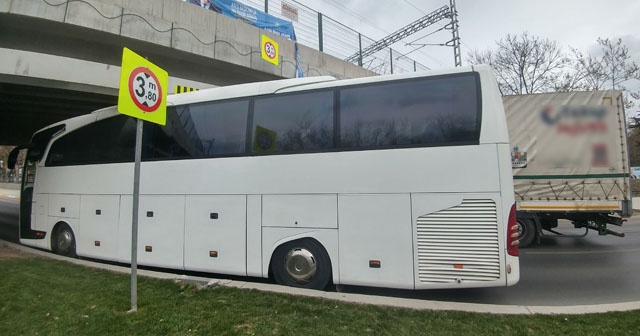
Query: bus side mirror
point(13, 156)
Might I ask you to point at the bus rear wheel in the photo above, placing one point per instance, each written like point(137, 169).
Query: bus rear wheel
point(301, 263)
point(64, 241)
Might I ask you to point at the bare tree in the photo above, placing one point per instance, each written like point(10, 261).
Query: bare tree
point(611, 70)
point(583, 73)
point(524, 63)
point(4, 154)
point(590, 70)
point(617, 63)
point(481, 57)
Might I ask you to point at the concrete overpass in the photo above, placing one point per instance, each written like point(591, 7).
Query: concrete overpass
point(61, 58)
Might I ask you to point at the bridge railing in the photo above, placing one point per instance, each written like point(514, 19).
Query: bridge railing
point(323, 33)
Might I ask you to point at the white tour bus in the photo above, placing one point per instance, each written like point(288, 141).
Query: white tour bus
point(399, 181)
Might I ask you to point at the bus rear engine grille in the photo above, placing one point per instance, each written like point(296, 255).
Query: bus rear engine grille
point(459, 244)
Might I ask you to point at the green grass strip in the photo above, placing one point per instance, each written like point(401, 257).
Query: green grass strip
point(47, 297)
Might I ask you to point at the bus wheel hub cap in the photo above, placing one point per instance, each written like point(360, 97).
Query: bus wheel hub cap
point(300, 264)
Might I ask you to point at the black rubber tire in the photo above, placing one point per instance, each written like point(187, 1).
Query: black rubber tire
point(322, 275)
point(64, 241)
point(528, 232)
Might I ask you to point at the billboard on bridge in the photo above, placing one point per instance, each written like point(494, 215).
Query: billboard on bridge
point(254, 17)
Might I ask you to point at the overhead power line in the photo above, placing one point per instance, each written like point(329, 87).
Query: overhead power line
point(442, 13)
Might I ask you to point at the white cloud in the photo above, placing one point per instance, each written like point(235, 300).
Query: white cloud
point(572, 23)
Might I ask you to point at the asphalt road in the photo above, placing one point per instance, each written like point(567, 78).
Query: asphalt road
point(9, 219)
point(559, 272)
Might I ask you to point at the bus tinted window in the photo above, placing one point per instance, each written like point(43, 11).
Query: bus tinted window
point(293, 123)
point(110, 140)
point(40, 141)
point(221, 127)
point(432, 111)
point(198, 131)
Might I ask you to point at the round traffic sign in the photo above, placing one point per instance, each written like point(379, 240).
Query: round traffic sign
point(270, 50)
point(145, 89)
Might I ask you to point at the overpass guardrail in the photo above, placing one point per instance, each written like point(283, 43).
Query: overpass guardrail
point(325, 34)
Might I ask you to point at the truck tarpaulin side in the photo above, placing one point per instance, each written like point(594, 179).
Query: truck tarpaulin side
point(569, 157)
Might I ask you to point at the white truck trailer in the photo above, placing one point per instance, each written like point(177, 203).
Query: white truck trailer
point(570, 161)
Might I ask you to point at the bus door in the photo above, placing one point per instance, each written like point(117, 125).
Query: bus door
point(28, 170)
point(34, 153)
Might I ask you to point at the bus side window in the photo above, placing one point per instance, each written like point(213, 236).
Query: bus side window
point(293, 122)
point(423, 112)
point(106, 141)
point(200, 130)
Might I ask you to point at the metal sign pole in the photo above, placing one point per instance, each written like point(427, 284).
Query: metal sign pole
point(142, 95)
point(134, 225)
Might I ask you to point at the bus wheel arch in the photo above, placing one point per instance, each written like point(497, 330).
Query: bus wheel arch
point(63, 240)
point(302, 263)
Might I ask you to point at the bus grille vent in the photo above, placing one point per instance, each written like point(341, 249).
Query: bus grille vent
point(459, 244)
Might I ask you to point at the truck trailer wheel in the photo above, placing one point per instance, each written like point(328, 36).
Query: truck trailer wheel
point(527, 231)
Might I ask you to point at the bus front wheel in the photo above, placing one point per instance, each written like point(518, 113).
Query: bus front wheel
point(301, 263)
point(64, 241)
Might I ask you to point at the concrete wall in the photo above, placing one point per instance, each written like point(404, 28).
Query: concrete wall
point(32, 68)
point(185, 28)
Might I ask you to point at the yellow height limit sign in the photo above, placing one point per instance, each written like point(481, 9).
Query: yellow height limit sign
point(143, 92)
point(142, 95)
point(269, 50)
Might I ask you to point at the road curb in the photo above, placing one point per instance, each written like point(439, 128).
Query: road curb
point(416, 304)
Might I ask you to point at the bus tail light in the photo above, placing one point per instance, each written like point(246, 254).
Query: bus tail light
point(512, 234)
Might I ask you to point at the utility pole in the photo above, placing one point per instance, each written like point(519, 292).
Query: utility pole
point(429, 19)
point(444, 12)
point(455, 41)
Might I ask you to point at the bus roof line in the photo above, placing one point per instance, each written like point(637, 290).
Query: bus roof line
point(321, 79)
